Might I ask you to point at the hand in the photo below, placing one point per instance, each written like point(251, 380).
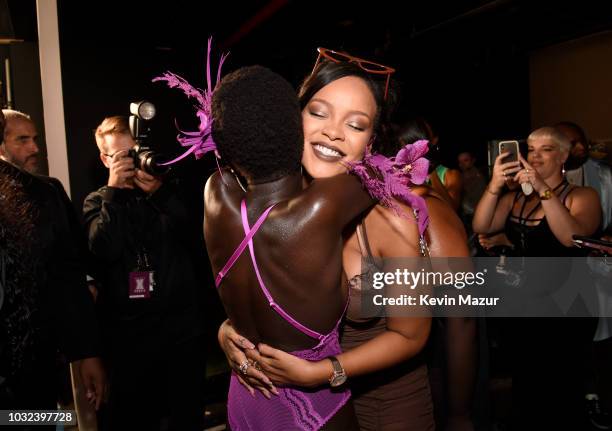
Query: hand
point(147, 183)
point(488, 241)
point(121, 171)
point(94, 380)
point(502, 172)
point(530, 175)
point(286, 369)
point(234, 346)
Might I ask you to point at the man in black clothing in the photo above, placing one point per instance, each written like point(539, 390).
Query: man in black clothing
point(46, 305)
point(140, 234)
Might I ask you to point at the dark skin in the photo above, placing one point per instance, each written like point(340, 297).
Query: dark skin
point(305, 283)
point(446, 238)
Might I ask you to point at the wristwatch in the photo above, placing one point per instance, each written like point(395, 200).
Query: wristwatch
point(546, 194)
point(338, 377)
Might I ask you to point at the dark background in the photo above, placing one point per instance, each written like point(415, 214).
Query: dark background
point(464, 64)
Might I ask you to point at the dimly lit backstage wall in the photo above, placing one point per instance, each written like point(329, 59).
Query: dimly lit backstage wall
point(573, 81)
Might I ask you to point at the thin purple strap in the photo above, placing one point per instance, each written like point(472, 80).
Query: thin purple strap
point(297, 325)
point(242, 246)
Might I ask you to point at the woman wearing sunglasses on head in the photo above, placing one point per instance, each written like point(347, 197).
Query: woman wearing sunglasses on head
point(344, 109)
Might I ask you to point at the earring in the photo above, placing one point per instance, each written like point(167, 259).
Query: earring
point(370, 144)
point(563, 169)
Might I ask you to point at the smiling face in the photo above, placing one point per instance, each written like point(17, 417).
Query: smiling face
point(338, 125)
point(546, 156)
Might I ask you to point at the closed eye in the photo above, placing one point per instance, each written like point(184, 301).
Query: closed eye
point(317, 114)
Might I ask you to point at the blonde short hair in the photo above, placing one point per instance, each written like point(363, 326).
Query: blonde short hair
point(117, 125)
point(554, 135)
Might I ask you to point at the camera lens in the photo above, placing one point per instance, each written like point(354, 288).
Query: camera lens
point(149, 162)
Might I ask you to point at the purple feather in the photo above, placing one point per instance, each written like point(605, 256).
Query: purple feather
point(389, 179)
point(199, 142)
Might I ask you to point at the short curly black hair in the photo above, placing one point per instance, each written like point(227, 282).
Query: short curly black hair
point(257, 124)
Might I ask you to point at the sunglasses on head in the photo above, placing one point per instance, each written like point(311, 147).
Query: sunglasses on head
point(367, 65)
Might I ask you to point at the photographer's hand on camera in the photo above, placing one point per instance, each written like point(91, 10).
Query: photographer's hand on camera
point(121, 171)
point(502, 172)
point(147, 183)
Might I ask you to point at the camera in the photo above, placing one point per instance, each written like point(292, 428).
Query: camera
point(147, 160)
point(144, 157)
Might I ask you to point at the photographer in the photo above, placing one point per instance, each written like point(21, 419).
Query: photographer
point(140, 234)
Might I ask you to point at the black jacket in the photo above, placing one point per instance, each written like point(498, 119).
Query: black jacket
point(62, 309)
point(121, 223)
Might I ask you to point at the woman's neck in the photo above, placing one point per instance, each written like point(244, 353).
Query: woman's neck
point(270, 192)
point(554, 180)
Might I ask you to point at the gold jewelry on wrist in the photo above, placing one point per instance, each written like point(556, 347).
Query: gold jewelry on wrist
point(546, 194)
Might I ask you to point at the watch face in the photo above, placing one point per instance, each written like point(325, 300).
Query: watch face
point(337, 380)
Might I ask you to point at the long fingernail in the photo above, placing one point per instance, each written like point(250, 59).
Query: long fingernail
point(274, 390)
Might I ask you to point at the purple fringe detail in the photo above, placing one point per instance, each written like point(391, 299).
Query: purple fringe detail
point(393, 178)
point(198, 142)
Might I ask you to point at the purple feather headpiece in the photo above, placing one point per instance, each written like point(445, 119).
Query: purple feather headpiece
point(199, 142)
point(393, 177)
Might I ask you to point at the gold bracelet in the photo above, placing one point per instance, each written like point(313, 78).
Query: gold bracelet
point(489, 190)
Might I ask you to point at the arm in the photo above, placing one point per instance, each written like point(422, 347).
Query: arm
point(447, 238)
point(493, 208)
point(337, 200)
point(106, 220)
point(405, 336)
point(581, 217)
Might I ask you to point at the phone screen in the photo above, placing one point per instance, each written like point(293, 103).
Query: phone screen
point(511, 147)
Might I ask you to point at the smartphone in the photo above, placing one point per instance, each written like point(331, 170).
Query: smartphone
point(595, 243)
point(511, 147)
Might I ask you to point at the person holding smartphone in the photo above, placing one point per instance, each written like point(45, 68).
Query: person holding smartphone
point(547, 352)
point(542, 223)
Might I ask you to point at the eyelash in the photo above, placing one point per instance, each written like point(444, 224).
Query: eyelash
point(352, 126)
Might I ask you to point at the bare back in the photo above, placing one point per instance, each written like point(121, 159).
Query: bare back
point(299, 254)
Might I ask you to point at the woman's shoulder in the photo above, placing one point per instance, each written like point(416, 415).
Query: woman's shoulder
point(582, 195)
point(383, 223)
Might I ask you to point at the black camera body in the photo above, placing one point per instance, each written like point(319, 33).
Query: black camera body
point(147, 160)
point(143, 156)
